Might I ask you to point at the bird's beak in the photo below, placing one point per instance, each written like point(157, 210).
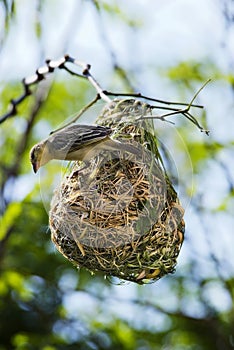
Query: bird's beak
point(36, 166)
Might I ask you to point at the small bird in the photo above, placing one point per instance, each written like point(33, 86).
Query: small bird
point(76, 142)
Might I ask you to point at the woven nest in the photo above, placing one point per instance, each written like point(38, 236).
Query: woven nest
point(120, 214)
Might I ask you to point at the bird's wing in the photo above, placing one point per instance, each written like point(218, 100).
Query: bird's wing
point(75, 137)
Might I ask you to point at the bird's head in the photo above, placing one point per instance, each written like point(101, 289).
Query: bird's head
point(39, 156)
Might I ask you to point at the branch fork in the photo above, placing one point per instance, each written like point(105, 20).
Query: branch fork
point(61, 63)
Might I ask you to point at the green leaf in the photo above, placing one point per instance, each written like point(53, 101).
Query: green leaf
point(20, 341)
point(125, 335)
point(116, 10)
point(191, 71)
point(11, 214)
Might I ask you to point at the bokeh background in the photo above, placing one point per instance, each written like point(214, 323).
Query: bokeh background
point(164, 49)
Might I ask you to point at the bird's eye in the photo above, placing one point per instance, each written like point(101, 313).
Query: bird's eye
point(33, 155)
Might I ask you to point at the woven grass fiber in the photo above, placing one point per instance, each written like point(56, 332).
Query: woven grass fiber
point(120, 214)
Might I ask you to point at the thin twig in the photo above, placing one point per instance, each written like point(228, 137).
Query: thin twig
point(179, 111)
point(184, 111)
point(82, 111)
point(86, 73)
point(32, 80)
point(121, 72)
point(41, 74)
point(139, 95)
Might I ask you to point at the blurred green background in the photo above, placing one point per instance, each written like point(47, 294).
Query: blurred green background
point(163, 49)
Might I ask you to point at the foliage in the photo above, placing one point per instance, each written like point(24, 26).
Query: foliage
point(45, 303)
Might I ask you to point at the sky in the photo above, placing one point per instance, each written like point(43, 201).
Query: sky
point(172, 31)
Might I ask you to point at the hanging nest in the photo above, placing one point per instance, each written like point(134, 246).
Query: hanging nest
point(120, 214)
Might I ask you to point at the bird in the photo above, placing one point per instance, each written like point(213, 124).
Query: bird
point(78, 143)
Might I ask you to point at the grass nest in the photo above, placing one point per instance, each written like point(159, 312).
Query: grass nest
point(120, 214)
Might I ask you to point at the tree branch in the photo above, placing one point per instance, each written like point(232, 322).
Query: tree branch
point(51, 65)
